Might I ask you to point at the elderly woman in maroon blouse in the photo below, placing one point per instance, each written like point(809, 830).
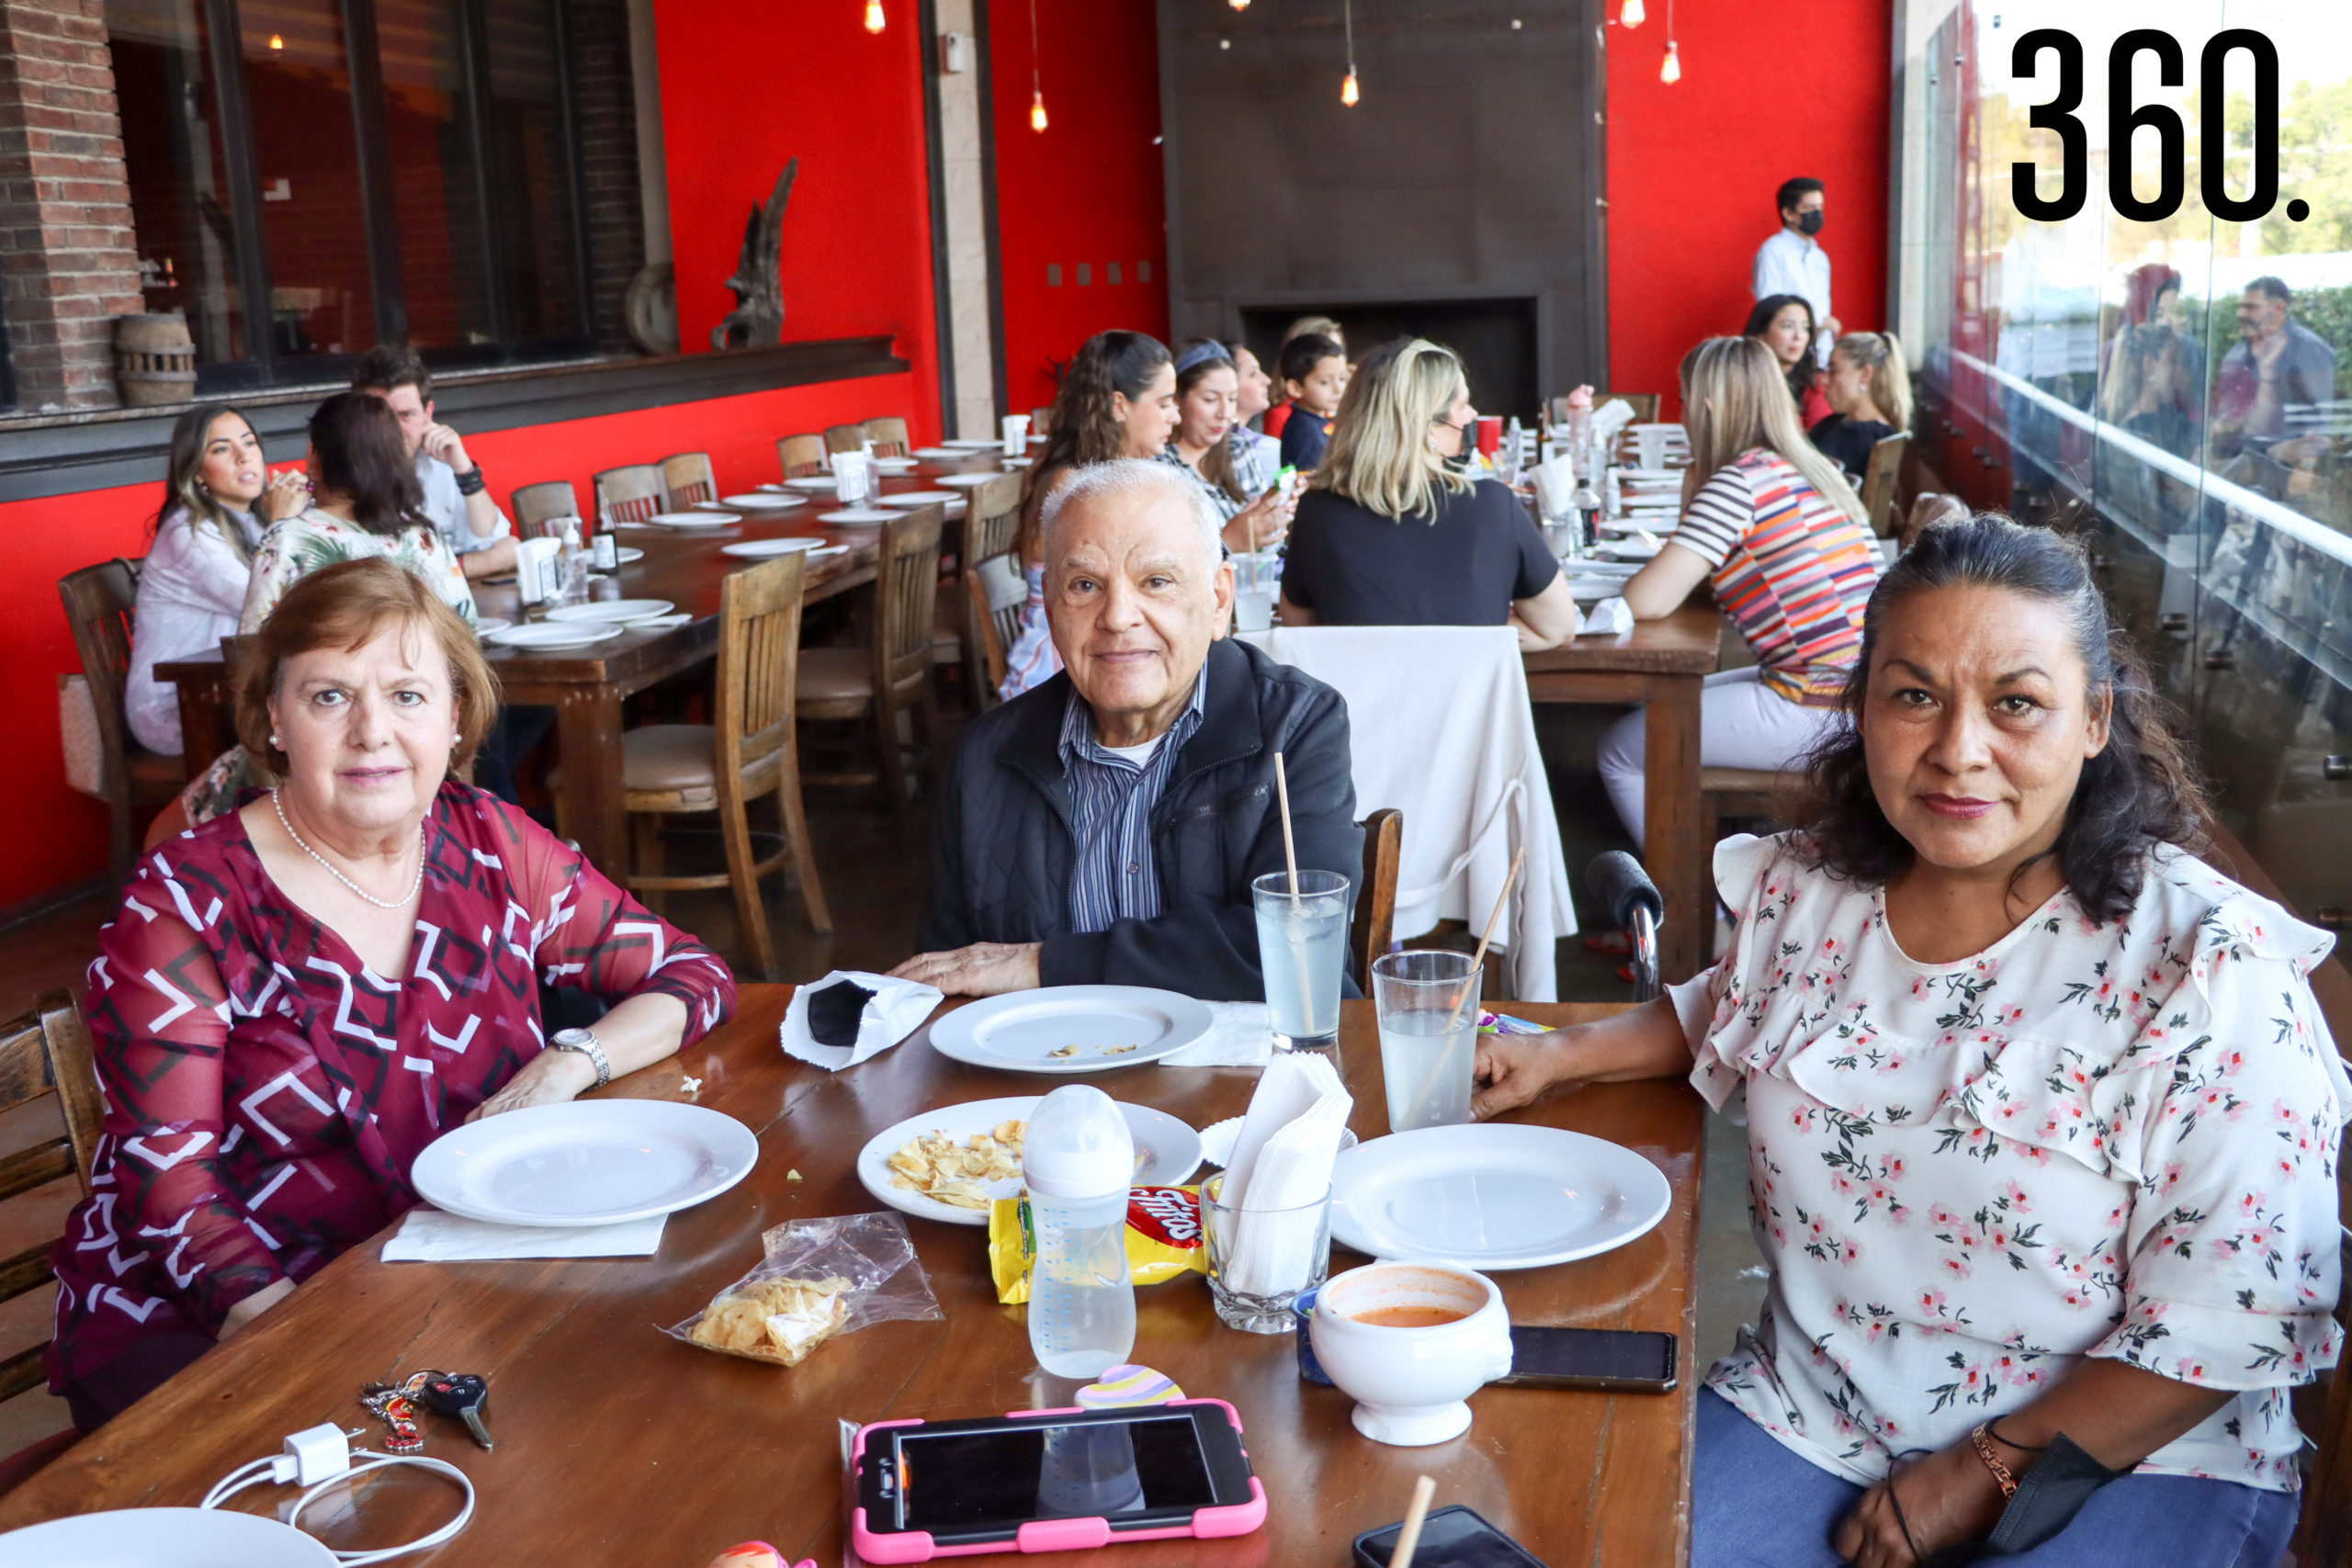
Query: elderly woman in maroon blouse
point(301, 995)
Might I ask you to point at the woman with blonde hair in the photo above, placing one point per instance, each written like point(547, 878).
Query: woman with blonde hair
point(1777, 534)
point(1393, 533)
point(1869, 387)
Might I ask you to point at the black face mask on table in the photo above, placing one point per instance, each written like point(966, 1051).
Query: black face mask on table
point(1809, 222)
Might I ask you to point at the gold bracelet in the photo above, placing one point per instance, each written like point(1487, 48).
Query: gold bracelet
point(1993, 1463)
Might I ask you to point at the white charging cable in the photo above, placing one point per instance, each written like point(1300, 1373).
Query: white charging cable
point(320, 1458)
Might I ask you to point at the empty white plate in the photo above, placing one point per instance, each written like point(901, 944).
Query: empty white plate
point(691, 519)
point(1218, 1137)
point(554, 634)
point(757, 549)
point(972, 443)
point(1167, 1151)
point(1071, 1029)
point(485, 625)
point(1018, 462)
point(811, 483)
point(765, 501)
point(165, 1538)
point(919, 497)
point(964, 481)
point(657, 623)
point(856, 514)
point(627, 553)
point(895, 464)
point(712, 506)
point(612, 610)
point(592, 1162)
point(1498, 1195)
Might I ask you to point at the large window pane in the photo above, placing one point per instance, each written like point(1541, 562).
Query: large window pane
point(445, 270)
point(297, 92)
point(178, 177)
point(531, 184)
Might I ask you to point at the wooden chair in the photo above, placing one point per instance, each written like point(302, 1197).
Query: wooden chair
point(1877, 483)
point(44, 1053)
point(1645, 406)
point(892, 673)
point(994, 594)
point(845, 438)
point(752, 750)
point(99, 603)
point(686, 479)
point(1375, 916)
point(889, 434)
point(800, 455)
point(629, 494)
point(991, 516)
point(536, 504)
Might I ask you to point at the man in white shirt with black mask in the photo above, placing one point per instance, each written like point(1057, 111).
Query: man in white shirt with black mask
point(1793, 262)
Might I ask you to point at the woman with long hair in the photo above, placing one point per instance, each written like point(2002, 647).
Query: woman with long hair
point(1783, 324)
point(1777, 534)
point(218, 497)
point(1392, 532)
point(1869, 389)
point(1117, 399)
point(1209, 444)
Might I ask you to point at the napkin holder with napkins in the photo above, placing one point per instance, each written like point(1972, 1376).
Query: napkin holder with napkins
point(849, 1015)
point(1281, 1163)
point(433, 1236)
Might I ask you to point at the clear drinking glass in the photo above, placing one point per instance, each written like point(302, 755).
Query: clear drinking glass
point(1260, 1259)
point(1427, 1005)
point(1301, 947)
point(1253, 609)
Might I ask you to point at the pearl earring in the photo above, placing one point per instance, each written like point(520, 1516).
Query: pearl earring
point(273, 740)
point(456, 738)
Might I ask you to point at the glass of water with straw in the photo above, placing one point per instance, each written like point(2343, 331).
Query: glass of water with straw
point(1427, 1007)
point(1302, 942)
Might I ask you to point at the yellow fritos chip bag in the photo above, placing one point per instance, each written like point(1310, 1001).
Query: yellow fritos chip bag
point(1163, 1240)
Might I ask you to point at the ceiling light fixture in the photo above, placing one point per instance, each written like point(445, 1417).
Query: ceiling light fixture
point(874, 23)
point(1348, 90)
point(1632, 15)
point(1669, 70)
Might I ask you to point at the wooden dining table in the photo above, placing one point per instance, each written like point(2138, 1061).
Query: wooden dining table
point(588, 685)
point(619, 1445)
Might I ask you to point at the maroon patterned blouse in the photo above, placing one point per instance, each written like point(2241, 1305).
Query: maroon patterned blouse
point(266, 1091)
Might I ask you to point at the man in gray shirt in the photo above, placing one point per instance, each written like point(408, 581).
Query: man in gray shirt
point(2276, 362)
point(457, 498)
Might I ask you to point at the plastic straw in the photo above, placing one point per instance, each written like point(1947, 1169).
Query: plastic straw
point(1293, 938)
point(1409, 1535)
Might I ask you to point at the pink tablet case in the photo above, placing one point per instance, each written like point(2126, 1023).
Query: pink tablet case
point(1054, 1535)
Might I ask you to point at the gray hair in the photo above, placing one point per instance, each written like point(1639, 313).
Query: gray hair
point(1138, 481)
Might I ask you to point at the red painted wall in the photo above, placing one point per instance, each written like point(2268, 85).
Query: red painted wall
point(62, 836)
point(1086, 191)
point(1693, 167)
point(746, 87)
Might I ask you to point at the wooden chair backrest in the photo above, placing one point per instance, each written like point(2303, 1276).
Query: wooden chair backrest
point(889, 434)
point(845, 438)
point(44, 1053)
point(100, 602)
point(535, 505)
point(992, 517)
point(629, 494)
point(800, 455)
point(687, 477)
point(906, 592)
point(1375, 916)
point(758, 660)
point(1878, 482)
point(995, 595)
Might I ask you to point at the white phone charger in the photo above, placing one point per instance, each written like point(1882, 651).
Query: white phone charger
point(317, 1453)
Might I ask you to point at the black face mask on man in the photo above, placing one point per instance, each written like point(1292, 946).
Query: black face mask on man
point(1809, 222)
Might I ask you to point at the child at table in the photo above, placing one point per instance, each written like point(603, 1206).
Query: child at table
point(1315, 372)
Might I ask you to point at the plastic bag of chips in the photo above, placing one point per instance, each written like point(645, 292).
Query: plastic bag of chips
point(818, 1278)
point(1163, 1240)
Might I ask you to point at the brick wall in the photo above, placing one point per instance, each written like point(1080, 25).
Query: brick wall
point(67, 261)
point(607, 117)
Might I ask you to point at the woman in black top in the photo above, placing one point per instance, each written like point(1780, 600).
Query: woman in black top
point(1391, 532)
point(1870, 388)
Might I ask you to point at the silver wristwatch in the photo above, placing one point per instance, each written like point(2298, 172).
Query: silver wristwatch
point(584, 1042)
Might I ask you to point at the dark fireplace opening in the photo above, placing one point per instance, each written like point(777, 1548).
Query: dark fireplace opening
point(1496, 339)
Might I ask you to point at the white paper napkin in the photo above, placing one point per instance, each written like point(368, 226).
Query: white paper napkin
point(1242, 1036)
point(1282, 1160)
point(431, 1236)
point(1611, 617)
point(894, 1011)
point(1555, 488)
point(1611, 417)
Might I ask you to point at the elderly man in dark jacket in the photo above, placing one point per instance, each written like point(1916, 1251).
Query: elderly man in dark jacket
point(1105, 826)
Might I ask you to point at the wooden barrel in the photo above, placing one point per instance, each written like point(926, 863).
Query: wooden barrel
point(154, 360)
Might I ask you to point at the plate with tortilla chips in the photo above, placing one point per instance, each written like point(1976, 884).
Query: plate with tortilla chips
point(952, 1163)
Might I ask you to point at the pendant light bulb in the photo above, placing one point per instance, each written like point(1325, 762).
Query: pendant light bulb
point(1348, 94)
point(1240, 4)
point(874, 15)
point(1670, 69)
point(1037, 111)
point(277, 41)
point(1633, 16)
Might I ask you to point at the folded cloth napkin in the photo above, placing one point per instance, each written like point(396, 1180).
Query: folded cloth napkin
point(433, 1236)
point(1282, 1161)
point(1611, 617)
point(849, 1015)
point(1242, 1036)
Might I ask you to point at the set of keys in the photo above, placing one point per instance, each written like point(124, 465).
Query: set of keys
point(461, 1394)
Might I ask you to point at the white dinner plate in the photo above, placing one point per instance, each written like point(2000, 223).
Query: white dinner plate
point(554, 634)
point(485, 625)
point(973, 443)
point(627, 553)
point(811, 483)
point(691, 519)
point(920, 497)
point(1218, 1137)
point(762, 500)
point(964, 481)
point(857, 515)
point(940, 452)
point(1022, 1030)
point(895, 464)
point(1636, 476)
point(586, 1162)
point(165, 1538)
point(613, 609)
point(711, 506)
point(1167, 1151)
point(760, 549)
point(657, 623)
point(1018, 462)
point(1495, 1195)
point(1631, 549)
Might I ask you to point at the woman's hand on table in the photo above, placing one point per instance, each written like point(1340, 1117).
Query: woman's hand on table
point(1644, 1041)
point(549, 1078)
point(983, 969)
point(1947, 1498)
point(1513, 1070)
point(252, 1306)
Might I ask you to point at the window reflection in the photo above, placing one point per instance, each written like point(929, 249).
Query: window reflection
point(306, 158)
point(178, 175)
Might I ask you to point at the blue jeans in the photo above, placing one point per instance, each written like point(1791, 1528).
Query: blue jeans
point(1755, 1503)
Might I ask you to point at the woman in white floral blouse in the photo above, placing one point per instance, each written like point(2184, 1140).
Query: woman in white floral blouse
point(2042, 1117)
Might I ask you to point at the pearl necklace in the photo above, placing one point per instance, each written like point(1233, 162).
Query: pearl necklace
point(358, 891)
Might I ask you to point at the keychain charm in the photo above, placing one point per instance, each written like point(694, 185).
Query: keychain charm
point(395, 1405)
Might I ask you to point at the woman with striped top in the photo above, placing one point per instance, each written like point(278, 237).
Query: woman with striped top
point(1777, 533)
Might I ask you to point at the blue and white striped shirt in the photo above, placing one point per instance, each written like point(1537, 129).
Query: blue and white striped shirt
point(1111, 799)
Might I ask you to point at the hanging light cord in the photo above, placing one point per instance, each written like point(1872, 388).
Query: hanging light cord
point(1347, 19)
point(1036, 84)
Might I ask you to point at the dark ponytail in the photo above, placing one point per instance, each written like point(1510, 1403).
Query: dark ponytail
point(1085, 429)
point(360, 455)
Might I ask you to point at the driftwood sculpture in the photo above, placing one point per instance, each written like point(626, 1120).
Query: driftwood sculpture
point(757, 319)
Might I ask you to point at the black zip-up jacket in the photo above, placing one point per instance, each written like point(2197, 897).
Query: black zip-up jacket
point(1003, 852)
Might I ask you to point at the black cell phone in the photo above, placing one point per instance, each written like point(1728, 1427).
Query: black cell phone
point(1450, 1538)
point(1613, 1360)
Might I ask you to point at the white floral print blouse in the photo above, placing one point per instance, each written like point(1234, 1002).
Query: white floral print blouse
point(301, 544)
point(2109, 1139)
